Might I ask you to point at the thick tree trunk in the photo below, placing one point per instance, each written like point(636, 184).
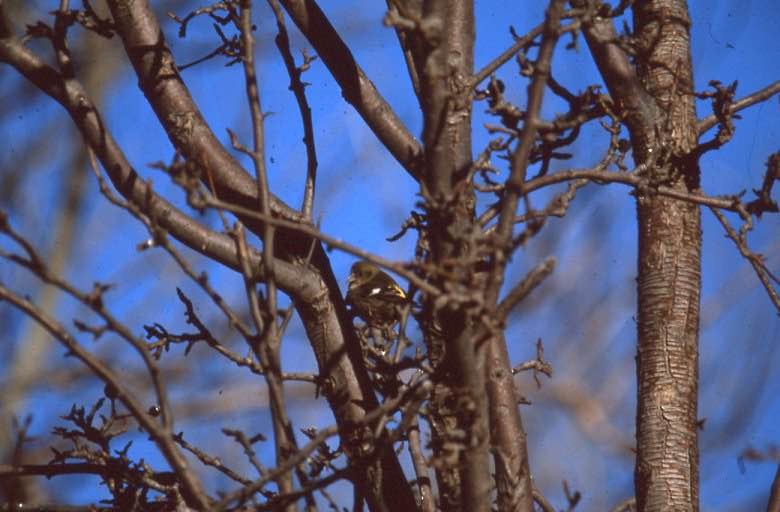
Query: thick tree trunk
point(666, 475)
point(669, 282)
point(656, 101)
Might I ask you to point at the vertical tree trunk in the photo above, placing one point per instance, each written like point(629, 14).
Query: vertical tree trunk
point(459, 404)
point(666, 474)
point(655, 98)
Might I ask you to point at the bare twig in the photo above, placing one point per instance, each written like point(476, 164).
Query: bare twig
point(244, 493)
point(514, 481)
point(297, 86)
point(423, 480)
point(94, 301)
point(74, 99)
point(627, 505)
point(194, 491)
point(246, 443)
point(540, 500)
point(756, 260)
point(741, 104)
point(267, 352)
point(208, 460)
point(538, 365)
point(356, 87)
point(406, 20)
point(258, 158)
point(399, 269)
point(522, 289)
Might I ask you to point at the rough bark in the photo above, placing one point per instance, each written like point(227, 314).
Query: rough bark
point(655, 96)
point(669, 282)
point(666, 470)
point(508, 438)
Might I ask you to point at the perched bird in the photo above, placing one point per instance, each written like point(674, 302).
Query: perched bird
point(374, 295)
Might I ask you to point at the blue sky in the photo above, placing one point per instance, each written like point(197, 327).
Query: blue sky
point(363, 196)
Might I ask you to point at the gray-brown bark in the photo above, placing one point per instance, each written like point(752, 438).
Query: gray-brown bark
point(669, 280)
point(446, 102)
point(330, 332)
point(659, 109)
point(458, 414)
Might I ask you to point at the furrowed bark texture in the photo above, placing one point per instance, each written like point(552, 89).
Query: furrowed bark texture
point(655, 98)
point(669, 283)
point(666, 473)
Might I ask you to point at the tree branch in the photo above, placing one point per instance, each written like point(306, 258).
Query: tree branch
point(314, 288)
point(741, 104)
point(159, 79)
point(356, 87)
point(627, 92)
point(194, 493)
point(297, 86)
point(774, 494)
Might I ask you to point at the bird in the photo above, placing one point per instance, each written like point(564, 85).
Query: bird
point(374, 296)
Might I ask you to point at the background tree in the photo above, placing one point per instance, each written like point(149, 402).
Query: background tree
point(433, 399)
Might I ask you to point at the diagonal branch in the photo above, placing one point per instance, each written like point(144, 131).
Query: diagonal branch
point(522, 289)
point(630, 97)
point(315, 295)
point(356, 87)
point(169, 97)
point(194, 492)
point(405, 18)
point(72, 96)
point(755, 260)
